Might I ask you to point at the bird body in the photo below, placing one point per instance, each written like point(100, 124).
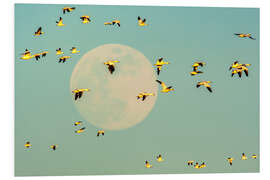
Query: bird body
point(39, 32)
point(100, 132)
point(242, 35)
point(190, 163)
point(59, 51)
point(85, 19)
point(53, 147)
point(74, 50)
point(243, 157)
point(159, 64)
point(197, 166)
point(230, 159)
point(77, 123)
point(113, 23)
point(68, 9)
point(79, 92)
point(159, 158)
point(148, 165)
point(60, 22)
point(205, 84)
point(27, 145)
point(254, 156)
point(141, 22)
point(165, 89)
point(111, 65)
point(80, 130)
point(144, 95)
point(63, 59)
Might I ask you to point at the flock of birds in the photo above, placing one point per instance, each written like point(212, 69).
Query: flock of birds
point(236, 67)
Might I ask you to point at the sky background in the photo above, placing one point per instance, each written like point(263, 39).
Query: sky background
point(188, 124)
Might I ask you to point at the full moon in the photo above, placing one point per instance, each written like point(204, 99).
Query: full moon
point(112, 102)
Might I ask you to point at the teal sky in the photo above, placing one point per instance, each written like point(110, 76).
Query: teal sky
point(188, 124)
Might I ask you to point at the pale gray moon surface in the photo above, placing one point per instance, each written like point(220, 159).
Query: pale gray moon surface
point(112, 101)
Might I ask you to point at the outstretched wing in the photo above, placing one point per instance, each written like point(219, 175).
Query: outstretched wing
point(80, 94)
point(246, 72)
point(76, 96)
point(239, 73)
point(209, 89)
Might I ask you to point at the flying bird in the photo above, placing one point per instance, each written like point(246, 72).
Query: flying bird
point(159, 158)
point(26, 55)
point(254, 156)
point(141, 22)
point(79, 92)
point(100, 132)
point(53, 147)
point(230, 159)
point(80, 130)
point(242, 35)
point(203, 165)
point(77, 123)
point(197, 64)
point(63, 59)
point(85, 19)
point(113, 23)
point(159, 64)
point(243, 157)
point(74, 50)
point(144, 95)
point(190, 163)
point(148, 165)
point(165, 89)
point(39, 32)
point(206, 84)
point(27, 145)
point(197, 166)
point(111, 65)
point(68, 9)
point(59, 51)
point(60, 22)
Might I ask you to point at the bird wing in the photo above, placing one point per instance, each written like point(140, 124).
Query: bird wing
point(237, 34)
point(239, 73)
point(163, 85)
point(76, 96)
point(209, 89)
point(252, 38)
point(118, 24)
point(160, 59)
point(139, 18)
point(39, 30)
point(158, 70)
point(144, 20)
point(80, 94)
point(111, 68)
point(246, 72)
point(143, 98)
point(198, 85)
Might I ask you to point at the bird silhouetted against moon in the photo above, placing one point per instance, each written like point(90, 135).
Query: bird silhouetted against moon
point(112, 101)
